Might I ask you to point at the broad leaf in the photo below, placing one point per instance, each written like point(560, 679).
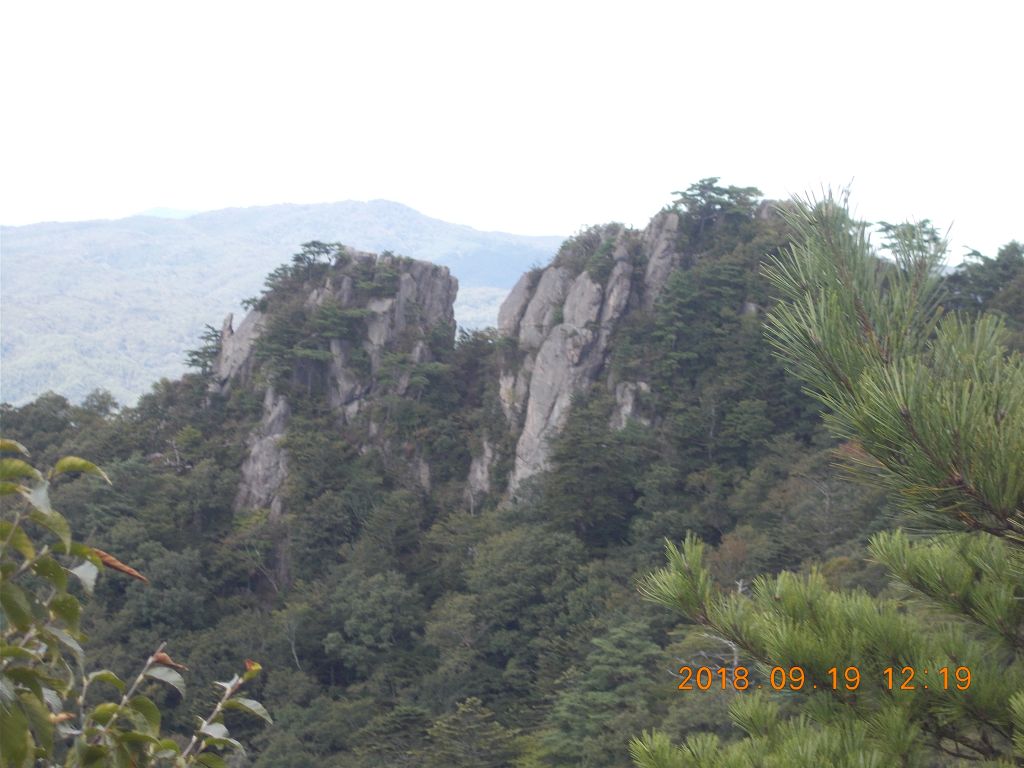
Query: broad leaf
point(113, 563)
point(167, 675)
point(104, 712)
point(39, 497)
point(106, 676)
point(39, 718)
point(15, 738)
point(251, 706)
point(52, 571)
point(91, 754)
point(136, 737)
point(12, 446)
point(16, 606)
point(17, 538)
point(215, 730)
point(27, 677)
point(149, 712)
point(53, 701)
point(15, 651)
point(167, 748)
point(75, 464)
point(66, 608)
point(7, 488)
point(213, 741)
point(15, 469)
point(70, 643)
point(55, 522)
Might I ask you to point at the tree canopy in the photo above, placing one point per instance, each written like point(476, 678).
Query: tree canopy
point(929, 406)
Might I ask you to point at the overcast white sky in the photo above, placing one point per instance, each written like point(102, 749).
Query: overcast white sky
point(529, 117)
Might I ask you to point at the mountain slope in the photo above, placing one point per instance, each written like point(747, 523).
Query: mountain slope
point(329, 495)
point(115, 304)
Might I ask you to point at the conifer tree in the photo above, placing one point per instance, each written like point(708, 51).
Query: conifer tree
point(930, 406)
point(471, 738)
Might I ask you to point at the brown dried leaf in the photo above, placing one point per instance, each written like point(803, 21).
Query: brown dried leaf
point(114, 564)
point(162, 658)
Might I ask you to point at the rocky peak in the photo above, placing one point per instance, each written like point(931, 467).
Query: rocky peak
point(562, 319)
point(559, 320)
point(382, 306)
point(234, 362)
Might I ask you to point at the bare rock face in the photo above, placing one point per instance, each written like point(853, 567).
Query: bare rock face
point(423, 298)
point(541, 312)
point(626, 395)
point(659, 242)
point(562, 368)
point(511, 311)
point(266, 466)
point(479, 481)
point(557, 323)
point(620, 285)
point(235, 361)
point(562, 324)
point(583, 303)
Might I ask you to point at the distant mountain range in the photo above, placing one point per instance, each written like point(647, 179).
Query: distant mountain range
point(116, 304)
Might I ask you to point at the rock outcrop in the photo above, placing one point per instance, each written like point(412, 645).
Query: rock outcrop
point(266, 467)
point(234, 363)
point(562, 321)
point(399, 301)
point(559, 322)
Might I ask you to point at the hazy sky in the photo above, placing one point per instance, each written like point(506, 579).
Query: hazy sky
point(535, 118)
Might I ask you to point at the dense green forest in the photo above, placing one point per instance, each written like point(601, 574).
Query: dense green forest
point(408, 623)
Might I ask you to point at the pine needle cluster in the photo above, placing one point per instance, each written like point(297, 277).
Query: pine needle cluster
point(929, 405)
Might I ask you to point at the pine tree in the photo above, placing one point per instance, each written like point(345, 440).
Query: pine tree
point(470, 738)
point(930, 407)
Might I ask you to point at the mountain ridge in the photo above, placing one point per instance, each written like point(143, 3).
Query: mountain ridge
point(137, 291)
point(328, 492)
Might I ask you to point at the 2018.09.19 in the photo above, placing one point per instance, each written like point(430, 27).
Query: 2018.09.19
point(846, 678)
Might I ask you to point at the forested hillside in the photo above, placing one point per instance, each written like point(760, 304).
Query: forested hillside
point(115, 304)
point(430, 539)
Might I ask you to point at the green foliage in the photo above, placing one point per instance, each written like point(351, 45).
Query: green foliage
point(48, 707)
point(936, 408)
point(376, 278)
point(203, 358)
point(993, 285)
point(397, 737)
point(931, 410)
point(590, 250)
point(470, 738)
point(711, 213)
point(383, 597)
point(308, 264)
point(297, 342)
point(375, 615)
point(592, 485)
point(605, 697)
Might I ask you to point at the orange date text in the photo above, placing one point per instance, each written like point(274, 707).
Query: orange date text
point(796, 678)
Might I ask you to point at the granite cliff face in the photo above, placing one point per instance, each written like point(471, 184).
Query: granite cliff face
point(562, 321)
point(420, 298)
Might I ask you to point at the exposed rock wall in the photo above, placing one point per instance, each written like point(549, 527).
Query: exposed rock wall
point(562, 322)
point(234, 363)
point(423, 298)
point(266, 467)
